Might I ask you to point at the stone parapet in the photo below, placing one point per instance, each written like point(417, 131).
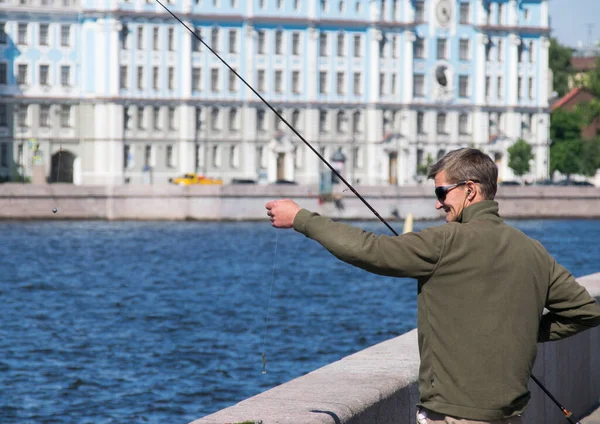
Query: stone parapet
point(379, 385)
point(246, 202)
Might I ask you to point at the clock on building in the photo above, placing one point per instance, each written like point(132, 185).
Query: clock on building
point(443, 12)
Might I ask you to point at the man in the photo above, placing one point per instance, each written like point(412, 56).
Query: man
point(482, 289)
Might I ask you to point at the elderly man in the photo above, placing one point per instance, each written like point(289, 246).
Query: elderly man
point(482, 288)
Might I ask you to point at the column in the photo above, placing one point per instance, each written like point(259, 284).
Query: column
point(407, 71)
point(480, 68)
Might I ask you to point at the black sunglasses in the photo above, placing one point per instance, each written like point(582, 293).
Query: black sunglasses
point(442, 191)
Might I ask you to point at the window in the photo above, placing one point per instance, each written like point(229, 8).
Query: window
point(499, 50)
point(124, 36)
point(340, 121)
point(214, 80)
point(156, 39)
point(419, 48)
point(520, 51)
point(22, 77)
point(488, 88)
point(463, 86)
point(171, 78)
point(419, 85)
point(295, 118)
point(147, 155)
point(196, 44)
point(381, 83)
point(65, 35)
point(463, 51)
point(357, 46)
point(323, 45)
point(22, 112)
point(464, 13)
point(419, 11)
point(140, 117)
point(323, 82)
point(170, 162)
point(126, 118)
point(4, 151)
point(215, 115)
point(341, 89)
point(500, 17)
point(278, 122)
point(171, 39)
point(156, 117)
point(278, 82)
point(441, 123)
point(22, 34)
point(441, 48)
point(214, 39)
point(295, 44)
point(65, 116)
point(520, 87)
point(260, 120)
point(140, 38)
point(341, 41)
point(530, 88)
point(296, 82)
point(463, 124)
point(260, 76)
point(500, 88)
point(357, 83)
point(43, 34)
point(196, 78)
point(356, 122)
point(3, 73)
point(233, 41)
point(3, 38)
point(199, 118)
point(395, 46)
point(233, 119)
point(531, 52)
point(44, 116)
point(44, 69)
point(232, 81)
point(278, 42)
point(155, 78)
point(393, 84)
point(65, 75)
point(171, 116)
point(322, 121)
point(261, 42)
point(123, 76)
point(3, 120)
point(488, 51)
point(420, 122)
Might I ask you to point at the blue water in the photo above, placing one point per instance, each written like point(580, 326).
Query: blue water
point(164, 322)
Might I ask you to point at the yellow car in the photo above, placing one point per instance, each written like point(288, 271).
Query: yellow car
point(189, 179)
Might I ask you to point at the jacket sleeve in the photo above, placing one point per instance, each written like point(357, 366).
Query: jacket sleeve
point(571, 308)
point(412, 255)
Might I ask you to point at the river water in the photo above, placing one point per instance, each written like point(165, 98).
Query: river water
point(165, 322)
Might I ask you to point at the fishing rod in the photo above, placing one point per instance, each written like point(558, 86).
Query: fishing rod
point(567, 413)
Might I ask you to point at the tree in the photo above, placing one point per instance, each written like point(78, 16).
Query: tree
point(565, 157)
point(593, 82)
point(590, 157)
point(560, 63)
point(566, 125)
point(519, 155)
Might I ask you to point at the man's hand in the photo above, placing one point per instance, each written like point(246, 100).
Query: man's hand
point(282, 212)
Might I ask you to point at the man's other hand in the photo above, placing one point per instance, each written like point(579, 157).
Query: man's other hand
point(282, 212)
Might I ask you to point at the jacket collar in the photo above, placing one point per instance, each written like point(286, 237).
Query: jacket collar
point(486, 209)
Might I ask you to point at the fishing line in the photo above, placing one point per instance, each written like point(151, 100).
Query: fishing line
point(362, 199)
point(264, 355)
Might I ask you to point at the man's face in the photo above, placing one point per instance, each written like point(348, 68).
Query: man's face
point(454, 201)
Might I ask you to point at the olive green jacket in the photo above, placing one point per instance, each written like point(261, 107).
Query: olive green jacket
point(482, 289)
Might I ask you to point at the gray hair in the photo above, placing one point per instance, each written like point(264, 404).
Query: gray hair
point(469, 164)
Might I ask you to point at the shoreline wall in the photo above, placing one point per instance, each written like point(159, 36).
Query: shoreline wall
point(246, 202)
point(378, 385)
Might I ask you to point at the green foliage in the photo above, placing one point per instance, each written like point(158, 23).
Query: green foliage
point(593, 82)
point(588, 111)
point(566, 125)
point(560, 63)
point(565, 157)
point(590, 157)
point(519, 155)
point(423, 168)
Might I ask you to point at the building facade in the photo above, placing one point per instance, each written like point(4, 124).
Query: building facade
point(120, 92)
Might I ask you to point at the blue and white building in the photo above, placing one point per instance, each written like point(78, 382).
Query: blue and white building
point(125, 93)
